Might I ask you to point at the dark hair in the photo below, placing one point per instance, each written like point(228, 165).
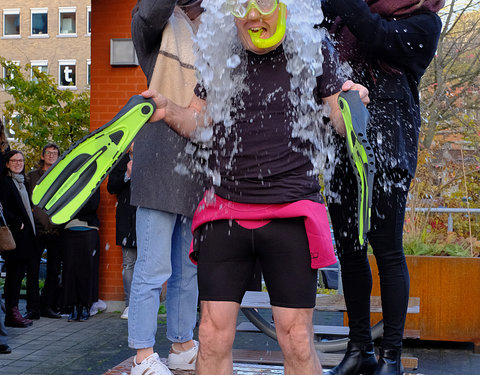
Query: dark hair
point(135, 8)
point(50, 145)
point(9, 155)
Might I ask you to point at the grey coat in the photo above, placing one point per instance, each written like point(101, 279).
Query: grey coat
point(158, 149)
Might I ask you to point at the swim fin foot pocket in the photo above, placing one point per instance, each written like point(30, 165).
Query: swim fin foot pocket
point(78, 173)
point(356, 117)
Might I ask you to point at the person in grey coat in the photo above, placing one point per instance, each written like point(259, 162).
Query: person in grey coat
point(162, 35)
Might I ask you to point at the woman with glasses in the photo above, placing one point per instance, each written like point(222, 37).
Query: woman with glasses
point(18, 214)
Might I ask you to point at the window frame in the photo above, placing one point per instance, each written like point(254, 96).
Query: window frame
point(9, 12)
point(4, 72)
point(89, 72)
point(37, 63)
point(38, 11)
point(89, 21)
point(63, 10)
point(9, 125)
point(64, 63)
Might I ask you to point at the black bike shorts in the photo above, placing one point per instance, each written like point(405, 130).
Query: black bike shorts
point(227, 256)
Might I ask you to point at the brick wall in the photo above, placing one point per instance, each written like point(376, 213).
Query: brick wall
point(111, 87)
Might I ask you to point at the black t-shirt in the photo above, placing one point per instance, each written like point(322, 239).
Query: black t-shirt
point(256, 158)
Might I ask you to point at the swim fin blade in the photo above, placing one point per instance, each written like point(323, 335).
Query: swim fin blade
point(356, 117)
point(78, 173)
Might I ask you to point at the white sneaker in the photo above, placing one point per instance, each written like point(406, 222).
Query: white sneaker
point(124, 314)
point(183, 360)
point(149, 366)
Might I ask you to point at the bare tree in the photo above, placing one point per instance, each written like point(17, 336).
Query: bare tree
point(451, 86)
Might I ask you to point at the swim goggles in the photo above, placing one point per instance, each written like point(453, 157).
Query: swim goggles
point(240, 8)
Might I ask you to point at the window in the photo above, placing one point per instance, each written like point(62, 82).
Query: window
point(67, 71)
point(9, 127)
point(7, 72)
point(11, 23)
point(67, 21)
point(40, 65)
point(89, 20)
point(39, 21)
point(89, 64)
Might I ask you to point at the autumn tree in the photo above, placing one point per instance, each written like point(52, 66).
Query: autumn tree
point(40, 112)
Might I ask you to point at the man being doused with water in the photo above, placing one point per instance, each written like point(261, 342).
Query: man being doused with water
point(265, 201)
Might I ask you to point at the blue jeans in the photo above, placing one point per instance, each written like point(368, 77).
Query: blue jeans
point(128, 265)
point(163, 242)
point(3, 331)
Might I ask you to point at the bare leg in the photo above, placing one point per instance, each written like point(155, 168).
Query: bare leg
point(295, 336)
point(142, 354)
point(216, 334)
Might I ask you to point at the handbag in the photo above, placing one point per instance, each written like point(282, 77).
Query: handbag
point(6, 239)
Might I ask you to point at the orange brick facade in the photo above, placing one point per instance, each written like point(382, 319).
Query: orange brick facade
point(110, 89)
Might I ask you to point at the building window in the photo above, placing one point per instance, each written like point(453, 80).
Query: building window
point(67, 21)
point(9, 126)
point(40, 65)
point(89, 20)
point(39, 21)
point(11, 22)
point(7, 71)
point(89, 64)
point(67, 72)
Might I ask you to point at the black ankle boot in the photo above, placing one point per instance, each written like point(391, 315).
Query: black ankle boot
point(359, 360)
point(389, 362)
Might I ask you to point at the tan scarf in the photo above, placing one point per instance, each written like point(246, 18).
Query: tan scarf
point(174, 72)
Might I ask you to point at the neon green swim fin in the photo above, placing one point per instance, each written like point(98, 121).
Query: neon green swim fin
point(356, 116)
point(77, 174)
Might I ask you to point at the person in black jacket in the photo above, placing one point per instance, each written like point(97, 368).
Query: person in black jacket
point(389, 45)
point(162, 33)
point(80, 260)
point(119, 184)
point(48, 235)
point(25, 259)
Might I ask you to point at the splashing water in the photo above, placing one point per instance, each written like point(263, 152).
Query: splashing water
point(220, 64)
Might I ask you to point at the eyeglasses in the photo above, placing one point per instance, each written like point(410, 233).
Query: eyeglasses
point(51, 153)
point(241, 8)
point(16, 161)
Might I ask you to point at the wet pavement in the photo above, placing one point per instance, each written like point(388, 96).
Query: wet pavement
point(58, 347)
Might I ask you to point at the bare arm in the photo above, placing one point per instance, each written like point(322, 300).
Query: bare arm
point(332, 101)
point(184, 120)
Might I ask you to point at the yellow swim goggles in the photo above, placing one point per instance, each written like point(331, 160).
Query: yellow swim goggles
point(240, 8)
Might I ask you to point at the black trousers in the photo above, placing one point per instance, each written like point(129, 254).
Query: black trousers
point(51, 291)
point(388, 214)
point(17, 269)
point(79, 277)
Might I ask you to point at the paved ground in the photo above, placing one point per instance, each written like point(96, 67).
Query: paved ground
point(80, 348)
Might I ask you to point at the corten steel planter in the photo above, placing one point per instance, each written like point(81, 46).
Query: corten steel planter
point(449, 291)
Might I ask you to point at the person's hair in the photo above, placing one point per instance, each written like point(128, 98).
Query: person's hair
point(41, 162)
point(9, 155)
point(135, 8)
point(50, 145)
point(3, 138)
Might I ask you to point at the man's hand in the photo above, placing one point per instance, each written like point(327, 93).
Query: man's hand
point(184, 120)
point(160, 101)
point(332, 101)
point(362, 90)
point(129, 169)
